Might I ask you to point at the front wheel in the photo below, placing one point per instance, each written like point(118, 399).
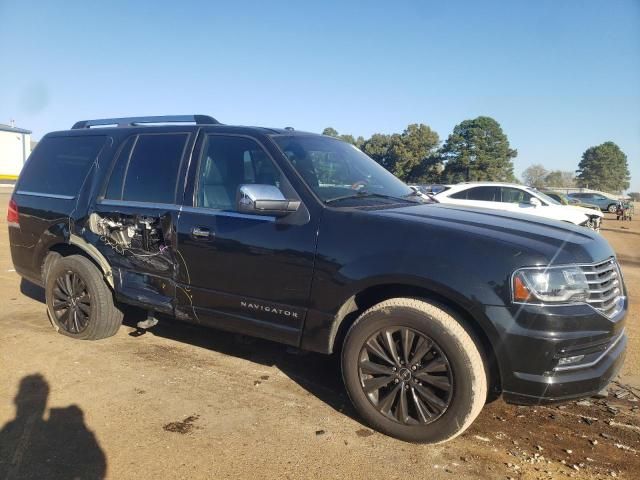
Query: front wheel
point(613, 208)
point(413, 371)
point(79, 302)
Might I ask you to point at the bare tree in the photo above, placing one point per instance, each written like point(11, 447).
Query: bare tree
point(535, 176)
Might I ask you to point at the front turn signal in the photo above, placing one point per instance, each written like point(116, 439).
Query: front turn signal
point(520, 291)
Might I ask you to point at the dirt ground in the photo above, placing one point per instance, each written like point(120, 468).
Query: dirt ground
point(183, 402)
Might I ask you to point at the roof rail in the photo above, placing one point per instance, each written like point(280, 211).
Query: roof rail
point(136, 121)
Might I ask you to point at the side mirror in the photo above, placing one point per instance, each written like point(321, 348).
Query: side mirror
point(260, 199)
point(535, 202)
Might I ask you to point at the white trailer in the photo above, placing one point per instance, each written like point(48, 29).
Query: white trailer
point(15, 148)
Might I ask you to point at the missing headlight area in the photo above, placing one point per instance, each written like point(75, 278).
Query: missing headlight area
point(130, 235)
point(593, 222)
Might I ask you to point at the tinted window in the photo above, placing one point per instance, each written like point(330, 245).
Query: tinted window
point(59, 165)
point(114, 188)
point(460, 195)
point(515, 195)
point(152, 172)
point(227, 163)
point(485, 194)
point(334, 169)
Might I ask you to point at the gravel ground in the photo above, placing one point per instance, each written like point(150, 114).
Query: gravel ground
point(183, 402)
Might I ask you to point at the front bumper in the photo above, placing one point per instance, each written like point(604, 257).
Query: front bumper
point(550, 354)
point(569, 384)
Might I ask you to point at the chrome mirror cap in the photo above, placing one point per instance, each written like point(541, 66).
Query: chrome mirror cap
point(260, 199)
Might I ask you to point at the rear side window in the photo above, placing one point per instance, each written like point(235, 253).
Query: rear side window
point(114, 188)
point(149, 172)
point(59, 165)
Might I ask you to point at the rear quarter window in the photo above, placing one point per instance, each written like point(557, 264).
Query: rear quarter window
point(460, 195)
point(59, 165)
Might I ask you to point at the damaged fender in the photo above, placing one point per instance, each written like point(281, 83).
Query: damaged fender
point(95, 254)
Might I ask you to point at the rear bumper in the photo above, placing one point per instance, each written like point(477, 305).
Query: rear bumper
point(555, 354)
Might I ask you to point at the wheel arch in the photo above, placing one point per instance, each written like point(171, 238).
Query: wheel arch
point(78, 246)
point(355, 305)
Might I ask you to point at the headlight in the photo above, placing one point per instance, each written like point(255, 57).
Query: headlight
point(549, 285)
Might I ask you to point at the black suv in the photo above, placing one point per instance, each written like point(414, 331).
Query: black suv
point(303, 239)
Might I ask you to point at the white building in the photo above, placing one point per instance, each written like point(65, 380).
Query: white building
point(15, 147)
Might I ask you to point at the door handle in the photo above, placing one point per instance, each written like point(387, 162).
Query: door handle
point(201, 232)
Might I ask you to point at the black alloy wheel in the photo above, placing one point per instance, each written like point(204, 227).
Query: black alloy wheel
point(80, 303)
point(71, 302)
point(405, 375)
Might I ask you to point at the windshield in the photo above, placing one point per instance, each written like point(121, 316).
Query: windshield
point(337, 170)
point(546, 198)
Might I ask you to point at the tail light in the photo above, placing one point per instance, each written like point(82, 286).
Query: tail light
point(12, 213)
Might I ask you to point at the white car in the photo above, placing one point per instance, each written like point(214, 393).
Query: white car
point(518, 198)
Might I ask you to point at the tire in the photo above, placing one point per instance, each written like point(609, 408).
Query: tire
point(75, 284)
point(50, 259)
point(453, 358)
point(612, 208)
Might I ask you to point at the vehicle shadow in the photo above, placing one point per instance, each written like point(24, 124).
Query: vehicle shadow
point(60, 447)
point(316, 373)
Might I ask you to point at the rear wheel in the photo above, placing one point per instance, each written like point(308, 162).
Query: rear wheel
point(613, 208)
point(413, 371)
point(79, 302)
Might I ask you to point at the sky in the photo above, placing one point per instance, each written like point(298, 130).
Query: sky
point(559, 76)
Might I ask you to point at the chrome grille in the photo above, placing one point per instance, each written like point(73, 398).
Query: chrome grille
point(605, 287)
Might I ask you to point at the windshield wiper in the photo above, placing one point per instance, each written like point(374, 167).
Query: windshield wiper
point(413, 193)
point(364, 195)
point(422, 195)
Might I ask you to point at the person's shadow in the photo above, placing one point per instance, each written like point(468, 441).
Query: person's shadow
point(61, 447)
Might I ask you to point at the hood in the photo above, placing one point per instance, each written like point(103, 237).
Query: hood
point(559, 242)
point(574, 213)
point(587, 211)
